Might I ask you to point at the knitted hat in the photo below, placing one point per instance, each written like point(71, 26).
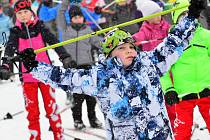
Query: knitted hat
point(21, 5)
point(148, 7)
point(75, 11)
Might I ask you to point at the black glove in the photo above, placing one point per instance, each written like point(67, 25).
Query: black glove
point(5, 72)
point(28, 56)
point(171, 97)
point(73, 64)
point(195, 8)
point(98, 10)
point(67, 61)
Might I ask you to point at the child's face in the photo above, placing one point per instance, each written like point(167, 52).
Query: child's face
point(155, 20)
point(77, 19)
point(24, 15)
point(126, 52)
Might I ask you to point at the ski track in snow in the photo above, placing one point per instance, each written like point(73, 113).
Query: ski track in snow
point(11, 101)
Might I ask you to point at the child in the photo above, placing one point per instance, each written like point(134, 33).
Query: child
point(5, 25)
point(124, 12)
point(30, 32)
point(82, 56)
point(188, 84)
point(152, 30)
point(126, 82)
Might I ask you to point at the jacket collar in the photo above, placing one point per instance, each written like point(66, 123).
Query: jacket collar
point(115, 63)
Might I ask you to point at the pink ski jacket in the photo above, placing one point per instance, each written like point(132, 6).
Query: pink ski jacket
point(34, 35)
point(153, 33)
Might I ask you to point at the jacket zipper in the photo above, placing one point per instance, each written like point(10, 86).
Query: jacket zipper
point(29, 37)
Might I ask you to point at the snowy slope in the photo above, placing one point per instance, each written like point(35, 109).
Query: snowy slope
point(11, 100)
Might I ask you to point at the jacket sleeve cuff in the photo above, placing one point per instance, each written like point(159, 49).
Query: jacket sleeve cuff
point(170, 89)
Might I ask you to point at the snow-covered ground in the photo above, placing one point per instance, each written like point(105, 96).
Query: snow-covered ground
point(11, 100)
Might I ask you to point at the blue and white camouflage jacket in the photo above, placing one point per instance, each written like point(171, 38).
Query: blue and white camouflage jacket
point(131, 99)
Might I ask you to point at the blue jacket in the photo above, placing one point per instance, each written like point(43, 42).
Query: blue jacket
point(5, 25)
point(48, 13)
point(131, 99)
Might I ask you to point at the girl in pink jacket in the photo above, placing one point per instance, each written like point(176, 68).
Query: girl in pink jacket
point(153, 30)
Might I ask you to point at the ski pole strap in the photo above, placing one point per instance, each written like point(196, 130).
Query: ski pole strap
point(108, 29)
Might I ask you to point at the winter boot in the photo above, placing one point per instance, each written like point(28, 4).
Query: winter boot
point(95, 123)
point(79, 125)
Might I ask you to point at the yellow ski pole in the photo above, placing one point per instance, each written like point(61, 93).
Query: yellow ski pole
point(108, 29)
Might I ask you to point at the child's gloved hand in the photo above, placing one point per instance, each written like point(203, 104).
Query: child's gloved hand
point(67, 61)
point(5, 72)
point(171, 97)
point(98, 10)
point(28, 56)
point(196, 7)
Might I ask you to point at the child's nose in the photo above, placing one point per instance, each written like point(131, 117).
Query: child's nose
point(129, 51)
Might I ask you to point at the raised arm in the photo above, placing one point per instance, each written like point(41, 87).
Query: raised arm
point(173, 46)
point(61, 19)
point(78, 81)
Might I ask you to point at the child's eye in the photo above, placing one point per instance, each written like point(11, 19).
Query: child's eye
point(120, 48)
point(19, 13)
point(132, 47)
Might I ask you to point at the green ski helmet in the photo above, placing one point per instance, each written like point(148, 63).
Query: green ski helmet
point(115, 38)
point(177, 13)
